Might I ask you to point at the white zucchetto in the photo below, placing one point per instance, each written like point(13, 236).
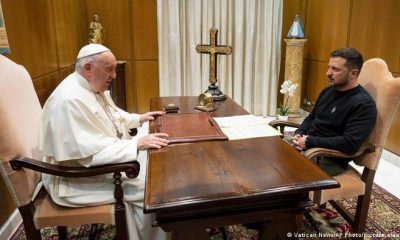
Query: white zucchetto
point(91, 49)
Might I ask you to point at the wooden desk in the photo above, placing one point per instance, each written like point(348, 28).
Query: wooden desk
point(194, 186)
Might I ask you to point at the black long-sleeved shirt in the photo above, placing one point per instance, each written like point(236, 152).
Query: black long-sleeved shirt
point(340, 120)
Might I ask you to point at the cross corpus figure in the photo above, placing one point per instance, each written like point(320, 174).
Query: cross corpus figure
point(213, 50)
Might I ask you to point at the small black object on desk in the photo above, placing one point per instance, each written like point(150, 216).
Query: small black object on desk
point(171, 108)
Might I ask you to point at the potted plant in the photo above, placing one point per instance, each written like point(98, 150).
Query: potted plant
point(287, 88)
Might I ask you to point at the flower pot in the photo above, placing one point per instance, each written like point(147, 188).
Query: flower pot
point(284, 118)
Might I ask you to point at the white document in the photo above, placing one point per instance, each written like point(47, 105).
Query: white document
point(245, 126)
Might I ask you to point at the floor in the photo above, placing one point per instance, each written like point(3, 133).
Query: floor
point(388, 174)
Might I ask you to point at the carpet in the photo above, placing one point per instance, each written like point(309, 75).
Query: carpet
point(383, 223)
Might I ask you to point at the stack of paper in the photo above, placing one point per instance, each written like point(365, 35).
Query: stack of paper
point(245, 126)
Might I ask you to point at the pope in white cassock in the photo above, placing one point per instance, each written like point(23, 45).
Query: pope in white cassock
point(81, 126)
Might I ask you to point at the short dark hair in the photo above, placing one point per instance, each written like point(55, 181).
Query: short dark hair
point(353, 57)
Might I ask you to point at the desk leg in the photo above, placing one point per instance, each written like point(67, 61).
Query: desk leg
point(279, 228)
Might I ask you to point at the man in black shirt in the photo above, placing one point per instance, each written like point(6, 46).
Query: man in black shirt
point(344, 113)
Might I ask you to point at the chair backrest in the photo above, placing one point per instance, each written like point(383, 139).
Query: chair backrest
point(20, 113)
point(385, 89)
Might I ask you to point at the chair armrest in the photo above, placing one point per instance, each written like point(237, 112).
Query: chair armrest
point(282, 124)
point(324, 152)
point(131, 169)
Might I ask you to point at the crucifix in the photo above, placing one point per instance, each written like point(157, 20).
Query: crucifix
point(213, 50)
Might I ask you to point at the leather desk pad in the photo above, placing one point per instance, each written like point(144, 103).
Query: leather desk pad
point(189, 127)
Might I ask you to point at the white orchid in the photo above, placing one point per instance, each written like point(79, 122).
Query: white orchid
point(288, 87)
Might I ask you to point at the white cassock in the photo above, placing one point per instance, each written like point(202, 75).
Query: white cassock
point(78, 130)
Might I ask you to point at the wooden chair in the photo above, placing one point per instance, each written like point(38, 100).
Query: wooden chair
point(20, 113)
point(385, 89)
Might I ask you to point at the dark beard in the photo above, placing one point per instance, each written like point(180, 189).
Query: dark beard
point(341, 83)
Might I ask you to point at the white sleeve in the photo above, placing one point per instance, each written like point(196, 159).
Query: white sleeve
point(133, 120)
point(124, 150)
